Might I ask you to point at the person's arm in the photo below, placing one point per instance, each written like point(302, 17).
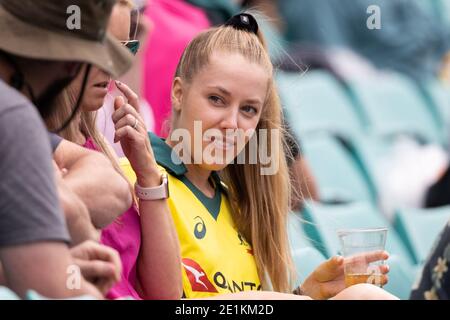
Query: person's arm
point(327, 280)
point(94, 180)
point(33, 234)
point(99, 264)
point(159, 262)
point(45, 268)
point(75, 211)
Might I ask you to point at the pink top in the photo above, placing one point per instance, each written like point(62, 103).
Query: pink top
point(176, 23)
point(122, 236)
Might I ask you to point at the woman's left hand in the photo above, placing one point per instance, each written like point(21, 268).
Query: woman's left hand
point(328, 279)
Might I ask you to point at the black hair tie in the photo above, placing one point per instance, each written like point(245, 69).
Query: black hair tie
point(243, 21)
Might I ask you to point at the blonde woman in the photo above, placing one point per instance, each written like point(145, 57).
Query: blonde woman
point(230, 217)
point(156, 259)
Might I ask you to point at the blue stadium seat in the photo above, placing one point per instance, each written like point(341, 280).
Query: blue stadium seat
point(316, 102)
point(394, 105)
point(327, 219)
point(419, 229)
point(338, 176)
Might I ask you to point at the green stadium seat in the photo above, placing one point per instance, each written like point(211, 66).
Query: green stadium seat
point(438, 99)
point(444, 10)
point(367, 152)
point(419, 229)
point(306, 260)
point(432, 7)
point(338, 176)
point(274, 39)
point(327, 219)
point(296, 232)
point(394, 105)
point(401, 277)
point(305, 256)
point(318, 103)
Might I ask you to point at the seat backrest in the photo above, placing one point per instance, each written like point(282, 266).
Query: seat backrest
point(401, 277)
point(420, 228)
point(306, 260)
point(438, 99)
point(338, 176)
point(367, 152)
point(327, 219)
point(296, 232)
point(317, 102)
point(394, 105)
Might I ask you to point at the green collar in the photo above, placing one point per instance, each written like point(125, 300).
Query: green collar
point(163, 156)
point(172, 163)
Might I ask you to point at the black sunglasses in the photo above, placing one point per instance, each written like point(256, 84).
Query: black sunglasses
point(132, 45)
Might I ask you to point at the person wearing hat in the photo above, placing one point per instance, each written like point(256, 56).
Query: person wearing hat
point(39, 56)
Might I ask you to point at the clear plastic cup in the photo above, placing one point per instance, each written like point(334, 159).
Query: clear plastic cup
point(360, 248)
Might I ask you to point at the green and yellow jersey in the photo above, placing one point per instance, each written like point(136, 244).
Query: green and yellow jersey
point(216, 258)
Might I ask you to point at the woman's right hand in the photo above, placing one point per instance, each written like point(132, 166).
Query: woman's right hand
point(133, 137)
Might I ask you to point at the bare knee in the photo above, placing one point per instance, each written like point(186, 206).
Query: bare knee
point(364, 291)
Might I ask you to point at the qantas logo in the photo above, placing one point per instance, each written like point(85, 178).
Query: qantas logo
point(197, 277)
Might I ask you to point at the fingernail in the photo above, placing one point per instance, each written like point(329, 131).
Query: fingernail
point(118, 83)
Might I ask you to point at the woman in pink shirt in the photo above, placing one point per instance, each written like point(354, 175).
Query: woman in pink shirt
point(175, 23)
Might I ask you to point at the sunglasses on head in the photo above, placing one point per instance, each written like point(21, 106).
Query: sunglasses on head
point(132, 45)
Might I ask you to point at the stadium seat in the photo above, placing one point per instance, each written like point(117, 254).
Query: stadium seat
point(274, 39)
point(394, 105)
point(296, 232)
point(438, 99)
point(327, 219)
point(432, 7)
point(306, 260)
point(444, 7)
point(338, 176)
point(419, 228)
point(401, 277)
point(317, 102)
point(367, 151)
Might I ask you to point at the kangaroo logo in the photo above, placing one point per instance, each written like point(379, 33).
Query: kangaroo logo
point(197, 277)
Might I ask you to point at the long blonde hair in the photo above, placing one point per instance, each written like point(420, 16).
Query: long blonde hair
point(260, 202)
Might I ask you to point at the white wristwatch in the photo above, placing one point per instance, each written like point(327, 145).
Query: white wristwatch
point(156, 193)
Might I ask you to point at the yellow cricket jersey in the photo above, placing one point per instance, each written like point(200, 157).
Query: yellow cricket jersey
point(216, 258)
